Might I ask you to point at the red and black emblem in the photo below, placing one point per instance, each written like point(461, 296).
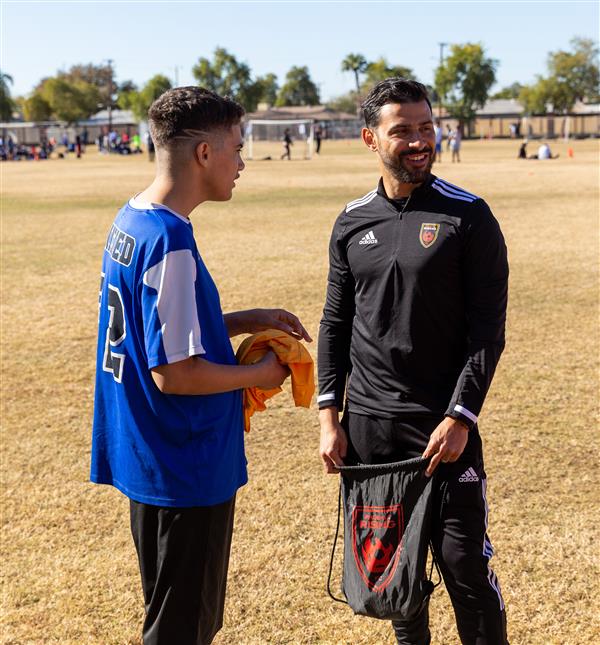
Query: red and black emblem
point(376, 541)
point(428, 234)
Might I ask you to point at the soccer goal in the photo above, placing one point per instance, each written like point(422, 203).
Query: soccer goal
point(265, 138)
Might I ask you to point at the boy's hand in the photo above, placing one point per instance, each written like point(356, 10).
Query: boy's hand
point(272, 373)
point(255, 320)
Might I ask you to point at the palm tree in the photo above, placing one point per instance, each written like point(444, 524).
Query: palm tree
point(4, 78)
point(6, 103)
point(356, 63)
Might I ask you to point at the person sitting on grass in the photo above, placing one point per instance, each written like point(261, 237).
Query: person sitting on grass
point(543, 152)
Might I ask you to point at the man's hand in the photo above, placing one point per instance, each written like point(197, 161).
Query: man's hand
point(255, 320)
point(334, 443)
point(273, 373)
point(446, 443)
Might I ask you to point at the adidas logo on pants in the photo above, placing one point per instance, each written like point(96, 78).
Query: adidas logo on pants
point(469, 476)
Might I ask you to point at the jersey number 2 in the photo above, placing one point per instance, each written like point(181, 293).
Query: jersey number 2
point(115, 333)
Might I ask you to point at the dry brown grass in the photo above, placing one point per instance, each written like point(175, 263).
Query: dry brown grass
point(69, 573)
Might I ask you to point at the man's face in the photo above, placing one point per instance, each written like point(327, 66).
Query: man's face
point(404, 139)
point(226, 163)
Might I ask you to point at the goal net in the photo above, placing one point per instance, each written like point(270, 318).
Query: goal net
point(265, 138)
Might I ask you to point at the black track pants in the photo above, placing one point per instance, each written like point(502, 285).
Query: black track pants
point(459, 527)
point(184, 556)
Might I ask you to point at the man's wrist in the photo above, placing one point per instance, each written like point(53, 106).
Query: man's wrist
point(461, 422)
point(328, 409)
point(329, 414)
point(462, 414)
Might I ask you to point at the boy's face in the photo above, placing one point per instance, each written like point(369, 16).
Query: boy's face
point(226, 163)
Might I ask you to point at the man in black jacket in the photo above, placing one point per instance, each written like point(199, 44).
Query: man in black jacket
point(412, 331)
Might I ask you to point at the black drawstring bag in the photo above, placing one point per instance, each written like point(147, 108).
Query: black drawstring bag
point(387, 517)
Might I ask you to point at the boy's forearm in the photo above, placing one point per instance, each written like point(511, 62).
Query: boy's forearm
point(195, 375)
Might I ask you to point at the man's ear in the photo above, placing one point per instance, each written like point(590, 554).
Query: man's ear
point(203, 153)
point(368, 136)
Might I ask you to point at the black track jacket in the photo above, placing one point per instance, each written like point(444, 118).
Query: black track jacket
point(416, 304)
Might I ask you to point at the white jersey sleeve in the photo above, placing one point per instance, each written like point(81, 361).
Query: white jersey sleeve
point(171, 326)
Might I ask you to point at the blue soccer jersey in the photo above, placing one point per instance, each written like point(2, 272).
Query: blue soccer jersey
point(158, 305)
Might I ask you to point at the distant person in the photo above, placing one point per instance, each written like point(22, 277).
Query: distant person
point(318, 137)
point(439, 135)
point(136, 142)
point(168, 412)
point(78, 146)
point(150, 147)
point(112, 140)
point(522, 150)
point(46, 149)
point(448, 136)
point(544, 152)
point(287, 144)
point(455, 143)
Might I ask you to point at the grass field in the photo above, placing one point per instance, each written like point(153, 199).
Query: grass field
point(69, 573)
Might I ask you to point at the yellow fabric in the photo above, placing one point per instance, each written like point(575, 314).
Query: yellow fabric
point(291, 353)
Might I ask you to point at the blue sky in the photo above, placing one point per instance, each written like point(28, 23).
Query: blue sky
point(144, 38)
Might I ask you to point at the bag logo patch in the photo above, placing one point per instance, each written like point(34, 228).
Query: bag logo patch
point(428, 234)
point(376, 542)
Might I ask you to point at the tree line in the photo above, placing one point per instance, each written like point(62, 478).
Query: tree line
point(462, 84)
point(74, 95)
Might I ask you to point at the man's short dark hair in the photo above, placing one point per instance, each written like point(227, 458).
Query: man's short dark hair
point(178, 112)
point(392, 90)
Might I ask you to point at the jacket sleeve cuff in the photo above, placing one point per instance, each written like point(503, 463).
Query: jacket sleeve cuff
point(327, 400)
point(460, 413)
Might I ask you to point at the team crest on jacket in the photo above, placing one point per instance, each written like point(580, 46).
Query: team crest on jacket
point(428, 234)
point(377, 542)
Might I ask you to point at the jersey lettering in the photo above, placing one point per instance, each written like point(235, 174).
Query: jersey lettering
point(120, 246)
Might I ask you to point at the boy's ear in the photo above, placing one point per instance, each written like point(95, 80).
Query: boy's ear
point(203, 153)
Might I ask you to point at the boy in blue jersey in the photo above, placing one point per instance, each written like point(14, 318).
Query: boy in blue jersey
point(168, 421)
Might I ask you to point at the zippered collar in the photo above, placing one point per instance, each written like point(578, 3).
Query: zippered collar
point(400, 204)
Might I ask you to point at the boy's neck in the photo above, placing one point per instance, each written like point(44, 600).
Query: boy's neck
point(175, 194)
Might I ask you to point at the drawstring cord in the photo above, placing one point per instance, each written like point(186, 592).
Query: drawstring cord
point(434, 563)
point(335, 539)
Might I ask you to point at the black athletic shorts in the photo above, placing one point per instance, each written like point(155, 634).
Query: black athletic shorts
point(183, 555)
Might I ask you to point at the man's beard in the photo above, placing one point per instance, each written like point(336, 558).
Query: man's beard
point(407, 175)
